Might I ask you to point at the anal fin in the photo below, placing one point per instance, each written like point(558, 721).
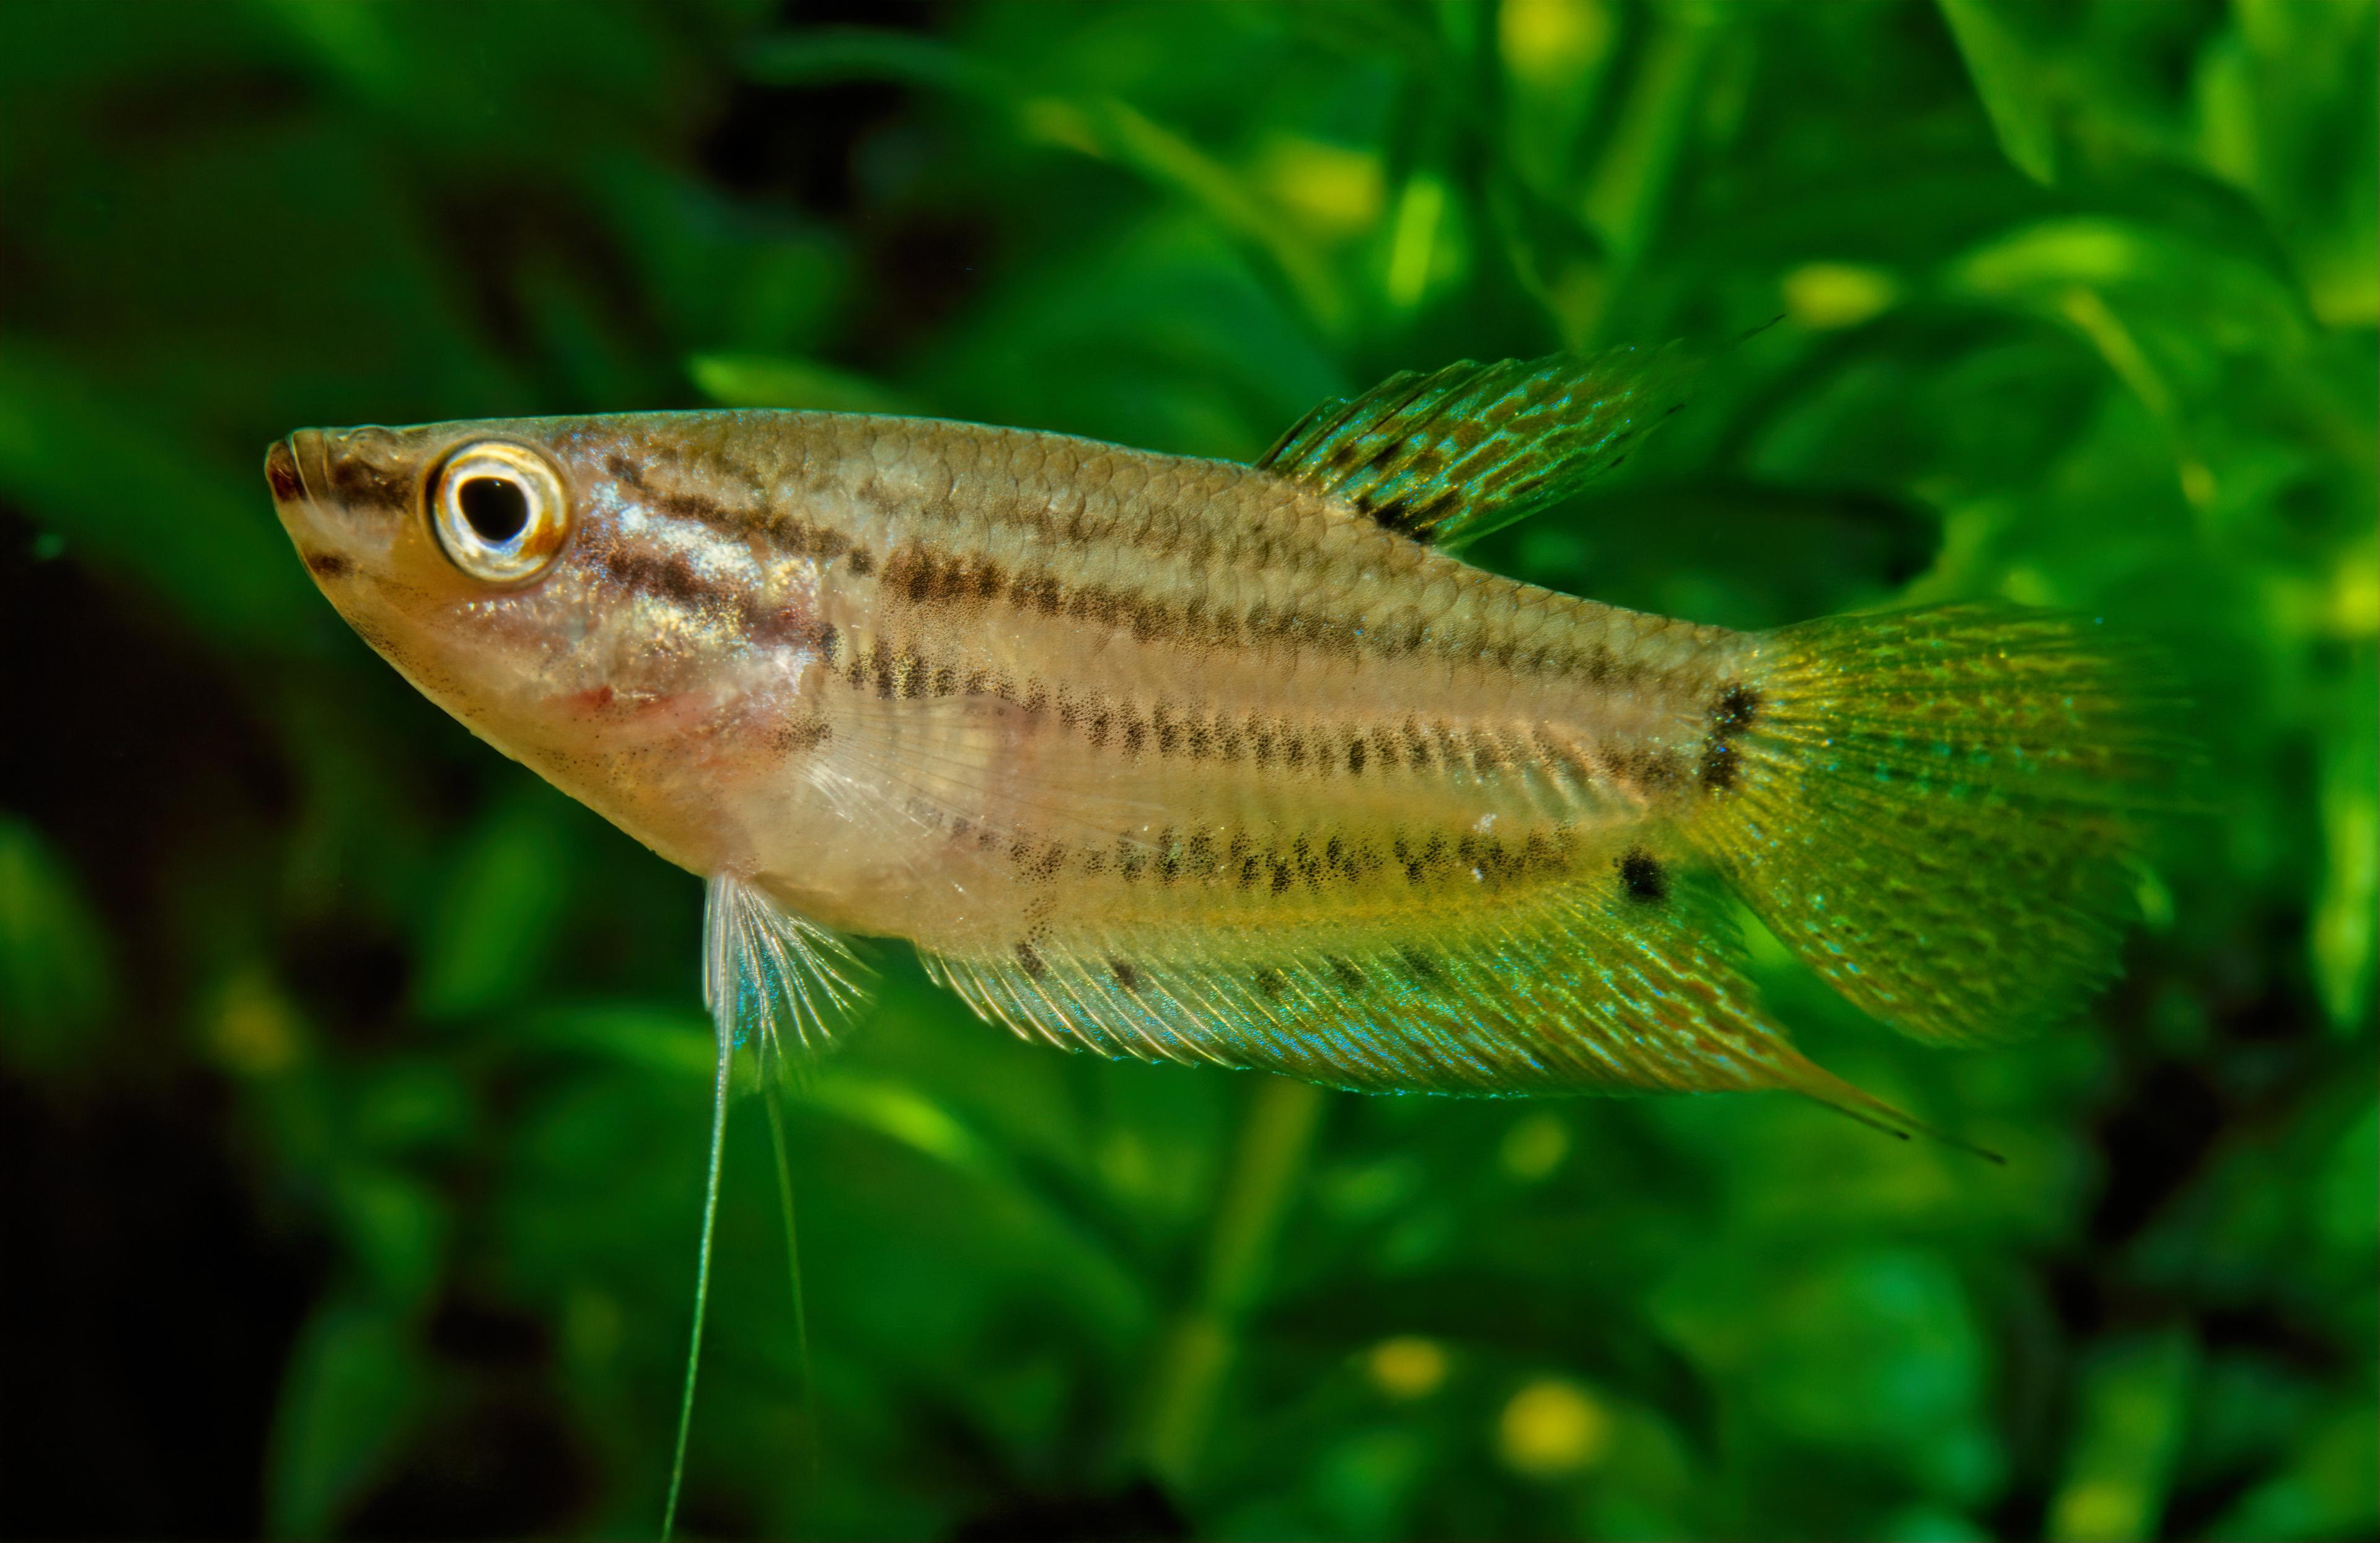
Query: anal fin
point(1580, 986)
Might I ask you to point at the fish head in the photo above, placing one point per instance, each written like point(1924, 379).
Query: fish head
point(569, 589)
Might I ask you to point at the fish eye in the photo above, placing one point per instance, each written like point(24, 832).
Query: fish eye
point(500, 510)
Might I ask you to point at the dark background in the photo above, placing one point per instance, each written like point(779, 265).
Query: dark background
point(353, 1084)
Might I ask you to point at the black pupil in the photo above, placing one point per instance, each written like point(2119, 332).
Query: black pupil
point(495, 506)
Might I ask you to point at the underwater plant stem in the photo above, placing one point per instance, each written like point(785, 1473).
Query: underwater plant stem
point(701, 1279)
point(775, 1105)
point(1276, 1135)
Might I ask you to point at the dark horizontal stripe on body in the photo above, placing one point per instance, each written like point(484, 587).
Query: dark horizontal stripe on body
point(1262, 741)
point(1256, 543)
point(788, 534)
point(676, 578)
point(964, 580)
point(948, 577)
point(1260, 540)
point(966, 584)
point(1269, 866)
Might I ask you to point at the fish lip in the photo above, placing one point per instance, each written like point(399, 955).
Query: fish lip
point(303, 516)
point(280, 472)
point(285, 469)
point(301, 447)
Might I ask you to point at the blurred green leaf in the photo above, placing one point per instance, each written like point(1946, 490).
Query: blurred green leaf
point(2129, 1432)
point(764, 381)
point(676, 1043)
point(2011, 84)
point(819, 55)
point(1898, 1321)
point(352, 1389)
point(1624, 199)
point(147, 506)
point(394, 1226)
point(2326, 1488)
point(2344, 920)
point(501, 916)
point(55, 990)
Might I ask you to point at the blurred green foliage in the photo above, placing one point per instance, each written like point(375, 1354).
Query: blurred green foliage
point(352, 1082)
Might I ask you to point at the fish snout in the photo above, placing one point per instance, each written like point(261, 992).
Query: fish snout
point(315, 509)
point(298, 469)
point(281, 470)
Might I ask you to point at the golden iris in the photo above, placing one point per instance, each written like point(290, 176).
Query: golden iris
point(501, 511)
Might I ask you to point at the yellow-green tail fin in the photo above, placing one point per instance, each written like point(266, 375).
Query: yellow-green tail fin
point(1931, 808)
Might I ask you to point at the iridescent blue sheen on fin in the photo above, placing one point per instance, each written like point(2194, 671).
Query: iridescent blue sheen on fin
point(783, 985)
point(772, 980)
point(1589, 986)
point(1448, 456)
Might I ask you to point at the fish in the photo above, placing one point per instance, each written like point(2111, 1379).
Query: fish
point(1243, 765)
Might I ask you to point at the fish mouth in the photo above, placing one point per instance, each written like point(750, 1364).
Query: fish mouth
point(286, 470)
point(280, 472)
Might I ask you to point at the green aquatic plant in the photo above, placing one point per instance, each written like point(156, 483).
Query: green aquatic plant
point(355, 1083)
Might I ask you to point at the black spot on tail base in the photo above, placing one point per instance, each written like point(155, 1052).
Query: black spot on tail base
point(1733, 713)
point(1738, 709)
point(1642, 876)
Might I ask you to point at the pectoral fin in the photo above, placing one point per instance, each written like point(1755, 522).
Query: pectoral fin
point(784, 985)
point(1448, 456)
point(774, 980)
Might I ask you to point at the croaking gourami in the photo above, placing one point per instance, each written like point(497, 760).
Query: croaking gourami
point(1210, 762)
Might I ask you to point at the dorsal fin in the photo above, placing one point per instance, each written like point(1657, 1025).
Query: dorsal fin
point(1448, 456)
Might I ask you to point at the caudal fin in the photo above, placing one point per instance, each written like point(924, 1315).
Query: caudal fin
point(1931, 808)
